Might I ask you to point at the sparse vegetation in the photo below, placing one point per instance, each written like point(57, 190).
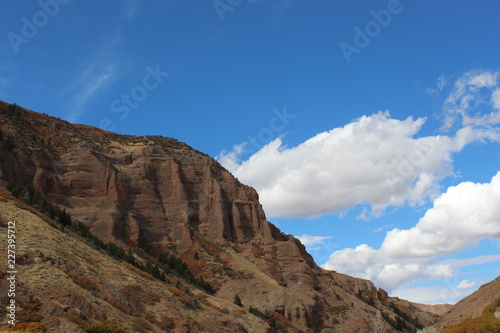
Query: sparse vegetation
point(178, 267)
point(35, 199)
point(167, 263)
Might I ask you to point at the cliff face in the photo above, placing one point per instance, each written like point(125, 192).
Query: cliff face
point(158, 194)
point(144, 192)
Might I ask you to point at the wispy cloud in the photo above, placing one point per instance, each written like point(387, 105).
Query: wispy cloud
point(441, 83)
point(100, 68)
point(89, 83)
point(471, 95)
point(480, 260)
point(383, 228)
point(308, 240)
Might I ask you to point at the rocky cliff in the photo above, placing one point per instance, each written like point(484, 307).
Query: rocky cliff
point(155, 195)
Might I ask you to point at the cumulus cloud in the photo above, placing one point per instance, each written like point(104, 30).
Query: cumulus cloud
point(374, 160)
point(466, 284)
point(459, 219)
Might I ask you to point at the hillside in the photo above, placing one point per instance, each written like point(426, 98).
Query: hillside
point(478, 308)
point(116, 206)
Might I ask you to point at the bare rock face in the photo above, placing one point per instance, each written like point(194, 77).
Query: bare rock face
point(158, 194)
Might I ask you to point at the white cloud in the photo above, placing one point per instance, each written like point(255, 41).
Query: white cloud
point(471, 95)
point(441, 294)
point(230, 159)
point(382, 228)
point(466, 262)
point(311, 240)
point(466, 284)
point(386, 272)
point(459, 219)
point(374, 160)
point(483, 79)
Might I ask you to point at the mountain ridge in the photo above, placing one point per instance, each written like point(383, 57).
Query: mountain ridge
point(154, 195)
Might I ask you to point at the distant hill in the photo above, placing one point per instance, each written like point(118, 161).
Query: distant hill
point(477, 309)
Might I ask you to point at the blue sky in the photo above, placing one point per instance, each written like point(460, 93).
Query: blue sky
point(369, 128)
